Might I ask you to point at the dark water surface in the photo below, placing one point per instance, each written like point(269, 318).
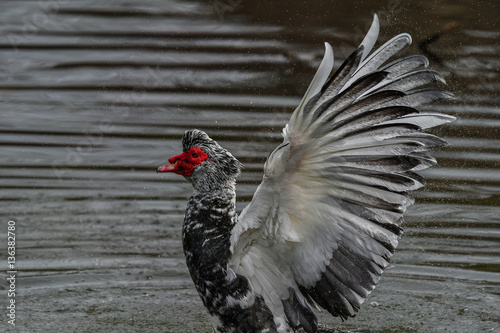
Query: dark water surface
point(95, 95)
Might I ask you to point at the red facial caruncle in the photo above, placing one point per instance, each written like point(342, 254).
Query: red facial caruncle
point(184, 163)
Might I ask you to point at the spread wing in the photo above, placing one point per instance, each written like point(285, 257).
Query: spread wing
point(326, 218)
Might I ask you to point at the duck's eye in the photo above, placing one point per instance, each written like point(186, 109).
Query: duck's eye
point(194, 155)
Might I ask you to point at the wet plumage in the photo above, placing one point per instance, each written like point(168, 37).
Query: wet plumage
point(326, 218)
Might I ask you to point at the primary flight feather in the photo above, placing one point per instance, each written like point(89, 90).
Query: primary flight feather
point(325, 220)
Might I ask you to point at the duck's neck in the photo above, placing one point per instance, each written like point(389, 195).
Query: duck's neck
point(230, 301)
point(209, 220)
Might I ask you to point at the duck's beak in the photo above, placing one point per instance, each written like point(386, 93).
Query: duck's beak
point(167, 168)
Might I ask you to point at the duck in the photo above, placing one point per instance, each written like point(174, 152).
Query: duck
point(326, 218)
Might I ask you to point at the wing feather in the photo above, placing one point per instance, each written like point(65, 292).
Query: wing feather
point(406, 64)
point(326, 218)
point(381, 55)
point(348, 96)
point(338, 80)
point(370, 38)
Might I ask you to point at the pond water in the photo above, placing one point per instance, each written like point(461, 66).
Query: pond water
point(96, 95)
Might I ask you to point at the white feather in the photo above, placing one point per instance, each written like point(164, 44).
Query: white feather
point(332, 198)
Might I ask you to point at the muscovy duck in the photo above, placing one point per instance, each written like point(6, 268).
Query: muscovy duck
point(327, 216)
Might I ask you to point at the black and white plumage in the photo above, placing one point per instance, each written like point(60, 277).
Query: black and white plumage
point(326, 218)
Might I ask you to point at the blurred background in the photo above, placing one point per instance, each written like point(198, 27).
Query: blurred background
point(94, 96)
